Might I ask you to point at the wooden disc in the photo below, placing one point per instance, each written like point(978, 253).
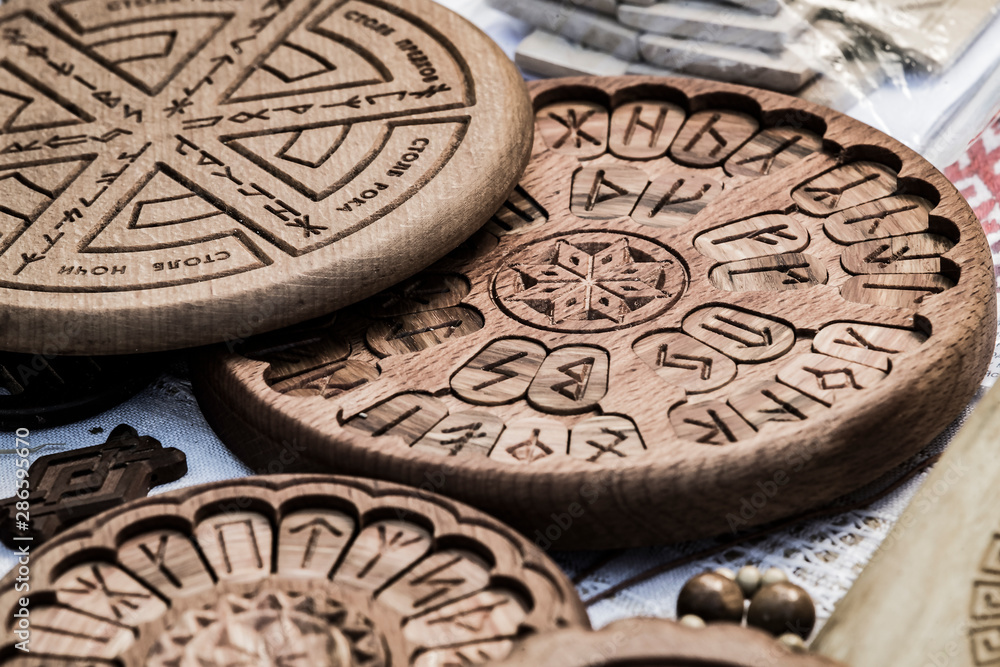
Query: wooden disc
point(173, 174)
point(705, 307)
point(288, 570)
point(44, 391)
point(649, 641)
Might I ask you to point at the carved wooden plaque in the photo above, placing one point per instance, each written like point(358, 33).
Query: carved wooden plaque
point(290, 570)
point(654, 642)
point(705, 307)
point(74, 485)
point(174, 174)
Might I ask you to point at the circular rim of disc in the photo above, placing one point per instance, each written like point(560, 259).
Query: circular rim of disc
point(676, 488)
point(484, 131)
point(117, 380)
point(499, 566)
point(657, 641)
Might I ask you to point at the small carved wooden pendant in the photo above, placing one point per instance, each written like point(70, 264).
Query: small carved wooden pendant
point(72, 486)
point(44, 391)
point(653, 641)
point(303, 571)
point(704, 308)
point(174, 174)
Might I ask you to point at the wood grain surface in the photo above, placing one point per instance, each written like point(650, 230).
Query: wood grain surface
point(176, 175)
point(706, 308)
point(288, 570)
point(949, 538)
point(645, 642)
point(77, 484)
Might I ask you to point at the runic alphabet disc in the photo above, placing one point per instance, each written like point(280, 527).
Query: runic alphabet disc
point(186, 172)
point(705, 307)
point(650, 641)
point(299, 571)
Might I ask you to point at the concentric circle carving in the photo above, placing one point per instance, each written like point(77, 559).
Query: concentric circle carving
point(176, 175)
point(704, 308)
point(299, 571)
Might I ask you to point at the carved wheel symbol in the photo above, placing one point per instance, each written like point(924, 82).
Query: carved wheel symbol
point(589, 282)
point(270, 627)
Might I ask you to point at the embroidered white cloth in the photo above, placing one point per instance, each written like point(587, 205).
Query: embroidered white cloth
point(823, 555)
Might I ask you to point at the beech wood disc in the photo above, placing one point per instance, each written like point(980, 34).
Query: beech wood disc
point(705, 307)
point(180, 173)
point(300, 571)
point(652, 642)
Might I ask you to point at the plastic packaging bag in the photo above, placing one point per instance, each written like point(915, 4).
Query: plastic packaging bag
point(924, 72)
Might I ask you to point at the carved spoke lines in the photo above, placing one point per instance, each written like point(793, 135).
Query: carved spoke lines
point(195, 92)
point(91, 179)
point(272, 210)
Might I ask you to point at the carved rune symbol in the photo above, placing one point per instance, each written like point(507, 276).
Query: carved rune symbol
point(531, 449)
point(685, 362)
point(308, 229)
point(831, 195)
point(835, 379)
point(575, 134)
point(606, 284)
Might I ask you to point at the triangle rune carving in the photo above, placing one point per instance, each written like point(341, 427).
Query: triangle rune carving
point(164, 212)
point(26, 104)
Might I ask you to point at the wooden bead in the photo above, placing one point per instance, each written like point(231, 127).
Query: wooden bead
point(773, 575)
point(692, 621)
point(712, 597)
point(782, 608)
point(749, 580)
point(793, 642)
point(726, 572)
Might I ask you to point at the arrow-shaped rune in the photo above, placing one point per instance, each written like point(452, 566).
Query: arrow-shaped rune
point(879, 216)
point(759, 235)
point(461, 435)
point(762, 336)
point(318, 525)
point(668, 199)
point(685, 362)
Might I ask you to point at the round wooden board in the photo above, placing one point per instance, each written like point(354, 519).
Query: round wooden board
point(651, 642)
point(288, 570)
point(176, 174)
point(648, 343)
point(45, 391)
